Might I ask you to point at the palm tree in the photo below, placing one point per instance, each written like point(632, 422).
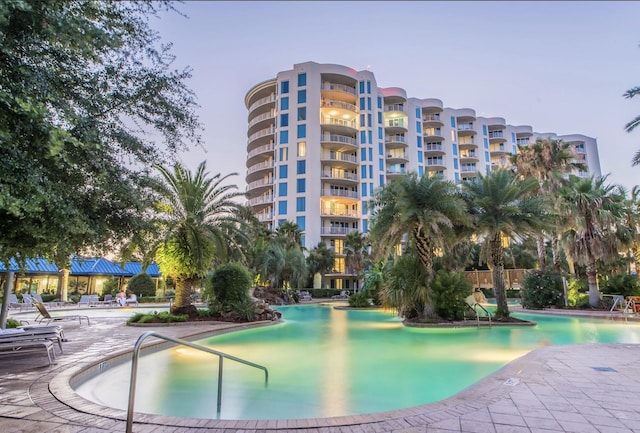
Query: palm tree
point(355, 244)
point(503, 206)
point(320, 261)
point(289, 233)
point(634, 123)
point(283, 265)
point(548, 161)
point(633, 224)
point(424, 210)
point(595, 212)
point(200, 224)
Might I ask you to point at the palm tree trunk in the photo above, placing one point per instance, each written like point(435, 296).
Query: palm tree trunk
point(496, 259)
point(635, 249)
point(542, 252)
point(425, 254)
point(555, 251)
point(183, 291)
point(592, 279)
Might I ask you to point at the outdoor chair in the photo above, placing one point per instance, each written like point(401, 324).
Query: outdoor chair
point(21, 347)
point(108, 300)
point(13, 301)
point(133, 299)
point(44, 315)
point(38, 297)
point(54, 334)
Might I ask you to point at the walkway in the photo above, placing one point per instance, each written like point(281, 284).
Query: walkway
point(592, 388)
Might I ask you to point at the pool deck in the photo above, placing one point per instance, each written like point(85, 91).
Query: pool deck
point(588, 388)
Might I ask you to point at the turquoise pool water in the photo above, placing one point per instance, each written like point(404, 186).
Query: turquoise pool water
point(325, 362)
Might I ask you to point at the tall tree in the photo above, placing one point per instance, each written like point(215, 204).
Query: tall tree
point(595, 211)
point(320, 261)
point(549, 161)
point(426, 210)
point(200, 224)
point(504, 206)
point(79, 82)
point(355, 244)
point(630, 126)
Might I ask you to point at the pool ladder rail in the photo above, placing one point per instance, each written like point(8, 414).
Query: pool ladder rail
point(474, 308)
point(221, 356)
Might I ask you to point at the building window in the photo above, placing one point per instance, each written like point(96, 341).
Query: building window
point(362, 124)
point(363, 137)
point(283, 172)
point(484, 129)
point(363, 154)
point(364, 171)
point(420, 171)
point(284, 87)
point(301, 204)
point(284, 103)
point(284, 154)
point(282, 207)
point(301, 224)
point(282, 189)
point(365, 226)
point(302, 131)
point(380, 118)
point(380, 103)
point(380, 134)
point(302, 80)
point(284, 120)
point(368, 86)
point(302, 96)
point(455, 148)
point(364, 189)
point(361, 86)
point(302, 167)
point(370, 154)
point(362, 103)
point(302, 148)
point(419, 156)
point(284, 137)
point(369, 103)
point(418, 127)
point(302, 113)
point(453, 122)
point(301, 185)
point(380, 149)
point(455, 163)
point(419, 142)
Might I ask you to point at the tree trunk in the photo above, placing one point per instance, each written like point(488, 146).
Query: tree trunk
point(63, 284)
point(183, 291)
point(496, 264)
point(557, 258)
point(425, 254)
point(542, 252)
point(8, 287)
point(635, 249)
point(592, 278)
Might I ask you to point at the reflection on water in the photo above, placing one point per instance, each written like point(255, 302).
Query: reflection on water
point(324, 362)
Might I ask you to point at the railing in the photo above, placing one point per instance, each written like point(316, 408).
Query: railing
point(468, 169)
point(261, 166)
point(339, 212)
point(465, 127)
point(339, 139)
point(338, 175)
point(262, 101)
point(221, 357)
point(429, 117)
point(342, 122)
point(433, 131)
point(395, 107)
point(433, 147)
point(438, 161)
point(336, 230)
point(261, 182)
point(339, 87)
point(522, 141)
point(395, 123)
point(260, 200)
point(468, 155)
point(338, 104)
point(467, 142)
point(265, 216)
point(336, 156)
point(396, 171)
point(338, 192)
point(260, 118)
point(262, 133)
point(395, 155)
point(496, 134)
point(395, 138)
point(475, 311)
point(261, 149)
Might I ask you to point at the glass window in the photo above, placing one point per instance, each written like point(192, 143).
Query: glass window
point(364, 207)
point(362, 103)
point(301, 185)
point(381, 179)
point(370, 135)
point(302, 96)
point(484, 129)
point(369, 120)
point(365, 226)
point(302, 80)
point(380, 134)
point(283, 172)
point(418, 127)
point(284, 154)
point(284, 103)
point(379, 102)
point(370, 171)
point(363, 137)
point(284, 120)
point(302, 113)
point(364, 171)
point(364, 189)
point(455, 163)
point(363, 154)
point(380, 149)
point(381, 164)
point(380, 117)
point(368, 86)
point(419, 156)
point(361, 86)
point(453, 122)
point(362, 124)
point(302, 167)
point(282, 189)
point(368, 103)
point(302, 148)
point(418, 115)
point(419, 142)
point(420, 171)
point(282, 207)
point(302, 131)
point(301, 204)
point(284, 137)
point(301, 224)
point(455, 149)
point(284, 87)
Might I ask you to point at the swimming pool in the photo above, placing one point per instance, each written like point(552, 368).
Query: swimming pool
point(325, 362)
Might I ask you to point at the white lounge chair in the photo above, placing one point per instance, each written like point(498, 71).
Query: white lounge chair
point(44, 315)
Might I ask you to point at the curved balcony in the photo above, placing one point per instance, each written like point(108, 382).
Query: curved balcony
point(259, 154)
point(435, 163)
point(396, 126)
point(431, 134)
point(330, 103)
point(339, 177)
point(264, 216)
point(395, 141)
point(339, 193)
point(469, 156)
point(499, 149)
point(469, 170)
point(467, 143)
point(397, 109)
point(336, 231)
point(395, 157)
point(466, 129)
point(340, 159)
point(259, 187)
point(261, 121)
point(339, 92)
point(339, 212)
point(500, 162)
point(258, 171)
point(338, 143)
point(497, 136)
point(339, 126)
point(260, 203)
point(432, 120)
point(393, 172)
point(271, 99)
point(431, 149)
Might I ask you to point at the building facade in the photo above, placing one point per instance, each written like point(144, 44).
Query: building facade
point(322, 138)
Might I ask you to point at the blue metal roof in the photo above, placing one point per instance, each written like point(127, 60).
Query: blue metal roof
point(83, 266)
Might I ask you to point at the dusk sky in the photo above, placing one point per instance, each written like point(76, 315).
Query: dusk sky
point(558, 66)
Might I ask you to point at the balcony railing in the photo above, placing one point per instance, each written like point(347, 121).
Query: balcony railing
point(262, 101)
point(258, 183)
point(338, 192)
point(433, 131)
point(395, 138)
point(429, 117)
point(261, 200)
point(265, 216)
point(395, 107)
point(522, 141)
point(327, 120)
point(338, 104)
point(468, 168)
point(261, 149)
point(438, 161)
point(260, 118)
point(433, 147)
point(395, 123)
point(339, 139)
point(339, 175)
point(339, 212)
point(467, 141)
point(465, 127)
point(496, 134)
point(336, 230)
point(396, 171)
point(339, 87)
point(262, 133)
point(337, 156)
point(468, 155)
point(261, 166)
point(397, 155)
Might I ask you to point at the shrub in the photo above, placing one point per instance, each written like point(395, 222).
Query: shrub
point(542, 288)
point(623, 284)
point(359, 300)
point(163, 317)
point(110, 287)
point(229, 284)
point(12, 323)
point(244, 309)
point(449, 292)
point(142, 285)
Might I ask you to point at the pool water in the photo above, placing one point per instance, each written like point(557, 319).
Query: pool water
point(325, 362)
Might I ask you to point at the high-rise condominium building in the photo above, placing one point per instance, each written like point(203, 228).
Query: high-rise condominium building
point(323, 137)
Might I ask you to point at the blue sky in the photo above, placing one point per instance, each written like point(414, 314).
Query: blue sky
point(559, 66)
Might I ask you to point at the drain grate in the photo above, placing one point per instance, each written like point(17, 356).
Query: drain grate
point(604, 369)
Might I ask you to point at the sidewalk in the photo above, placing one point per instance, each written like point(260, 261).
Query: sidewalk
point(591, 388)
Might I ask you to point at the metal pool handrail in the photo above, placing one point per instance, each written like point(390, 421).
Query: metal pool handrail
point(221, 356)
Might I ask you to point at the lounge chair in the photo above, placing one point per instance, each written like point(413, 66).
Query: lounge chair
point(133, 299)
point(13, 301)
point(17, 347)
point(108, 300)
point(344, 294)
point(304, 296)
point(44, 315)
point(38, 297)
point(53, 333)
